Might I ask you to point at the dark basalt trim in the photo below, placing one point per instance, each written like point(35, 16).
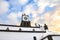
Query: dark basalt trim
point(17, 26)
point(50, 36)
point(23, 31)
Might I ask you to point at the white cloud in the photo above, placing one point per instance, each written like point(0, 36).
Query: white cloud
point(56, 18)
point(12, 18)
point(2, 0)
point(34, 20)
point(28, 9)
point(22, 2)
point(47, 16)
point(4, 7)
point(19, 14)
point(42, 4)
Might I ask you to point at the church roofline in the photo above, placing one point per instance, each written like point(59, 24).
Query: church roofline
point(23, 31)
point(16, 26)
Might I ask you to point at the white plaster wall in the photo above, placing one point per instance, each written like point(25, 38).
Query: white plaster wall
point(19, 36)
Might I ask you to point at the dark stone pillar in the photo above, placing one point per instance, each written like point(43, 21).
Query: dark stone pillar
point(34, 38)
point(50, 37)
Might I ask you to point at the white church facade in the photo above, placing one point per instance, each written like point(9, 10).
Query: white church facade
point(25, 31)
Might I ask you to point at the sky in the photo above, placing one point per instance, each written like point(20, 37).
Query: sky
point(39, 11)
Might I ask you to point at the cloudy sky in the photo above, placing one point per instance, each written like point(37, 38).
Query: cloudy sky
point(39, 11)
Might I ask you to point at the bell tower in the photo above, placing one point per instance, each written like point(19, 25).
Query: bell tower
point(25, 21)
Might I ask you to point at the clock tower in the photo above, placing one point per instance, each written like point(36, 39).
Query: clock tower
point(25, 21)
point(25, 17)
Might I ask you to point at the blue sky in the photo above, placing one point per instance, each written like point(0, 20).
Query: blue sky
point(39, 11)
